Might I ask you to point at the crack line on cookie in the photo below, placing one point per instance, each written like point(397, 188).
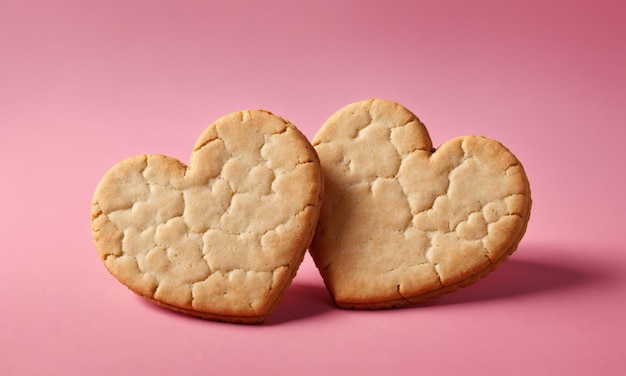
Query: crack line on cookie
point(207, 142)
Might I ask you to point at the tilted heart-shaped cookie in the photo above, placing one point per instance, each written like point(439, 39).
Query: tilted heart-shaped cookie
point(222, 238)
point(401, 222)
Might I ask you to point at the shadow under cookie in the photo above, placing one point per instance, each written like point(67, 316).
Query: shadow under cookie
point(302, 301)
point(519, 277)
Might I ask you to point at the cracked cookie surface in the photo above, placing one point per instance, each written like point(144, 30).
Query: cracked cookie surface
point(223, 237)
point(401, 222)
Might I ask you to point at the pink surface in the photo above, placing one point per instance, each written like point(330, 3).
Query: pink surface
point(84, 84)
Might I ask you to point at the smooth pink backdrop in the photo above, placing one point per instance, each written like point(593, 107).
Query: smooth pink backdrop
point(84, 84)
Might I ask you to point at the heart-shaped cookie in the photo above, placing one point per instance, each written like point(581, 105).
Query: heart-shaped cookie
point(222, 238)
point(401, 222)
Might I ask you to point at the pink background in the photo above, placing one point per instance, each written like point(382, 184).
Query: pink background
point(84, 84)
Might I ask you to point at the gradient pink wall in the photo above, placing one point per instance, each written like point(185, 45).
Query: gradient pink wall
point(84, 84)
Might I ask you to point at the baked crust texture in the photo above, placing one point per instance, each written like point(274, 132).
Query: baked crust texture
point(223, 237)
point(402, 222)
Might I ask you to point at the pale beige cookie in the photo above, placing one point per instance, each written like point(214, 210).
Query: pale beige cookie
point(401, 223)
point(222, 238)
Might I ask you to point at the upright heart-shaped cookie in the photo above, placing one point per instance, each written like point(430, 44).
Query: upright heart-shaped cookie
point(401, 222)
point(223, 237)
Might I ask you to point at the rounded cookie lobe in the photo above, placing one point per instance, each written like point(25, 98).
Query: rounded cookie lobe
point(223, 237)
point(401, 222)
